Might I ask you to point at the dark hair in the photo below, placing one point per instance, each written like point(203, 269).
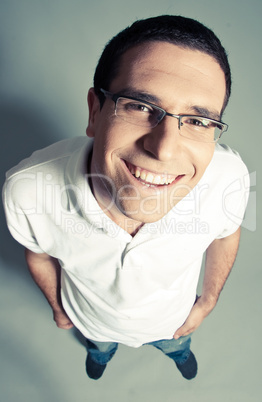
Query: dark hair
point(180, 31)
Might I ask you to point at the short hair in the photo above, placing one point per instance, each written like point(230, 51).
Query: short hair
point(181, 31)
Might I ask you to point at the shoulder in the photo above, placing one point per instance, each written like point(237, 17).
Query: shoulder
point(29, 182)
point(226, 165)
point(226, 178)
point(225, 155)
point(52, 154)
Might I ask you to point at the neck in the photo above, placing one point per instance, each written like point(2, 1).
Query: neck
point(129, 225)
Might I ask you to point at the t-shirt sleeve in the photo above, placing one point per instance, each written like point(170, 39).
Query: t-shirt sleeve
point(17, 221)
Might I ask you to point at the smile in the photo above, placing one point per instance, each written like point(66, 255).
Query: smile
point(151, 179)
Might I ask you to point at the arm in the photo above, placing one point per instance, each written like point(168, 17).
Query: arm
point(45, 271)
point(220, 257)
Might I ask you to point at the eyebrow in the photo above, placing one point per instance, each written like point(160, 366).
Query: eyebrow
point(147, 97)
point(204, 112)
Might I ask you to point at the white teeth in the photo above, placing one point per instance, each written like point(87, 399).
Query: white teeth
point(169, 180)
point(149, 177)
point(143, 175)
point(157, 180)
point(137, 172)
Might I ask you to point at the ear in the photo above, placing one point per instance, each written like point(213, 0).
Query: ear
point(94, 110)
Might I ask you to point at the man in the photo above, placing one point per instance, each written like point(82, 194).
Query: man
point(118, 226)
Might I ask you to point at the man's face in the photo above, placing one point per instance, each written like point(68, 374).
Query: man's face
point(181, 81)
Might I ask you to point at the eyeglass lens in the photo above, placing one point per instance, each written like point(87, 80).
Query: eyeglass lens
point(142, 114)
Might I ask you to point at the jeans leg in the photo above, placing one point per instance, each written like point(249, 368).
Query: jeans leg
point(101, 352)
point(177, 349)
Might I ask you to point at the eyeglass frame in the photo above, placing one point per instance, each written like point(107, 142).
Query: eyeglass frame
point(115, 98)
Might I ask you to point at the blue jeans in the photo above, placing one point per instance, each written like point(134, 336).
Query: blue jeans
point(178, 350)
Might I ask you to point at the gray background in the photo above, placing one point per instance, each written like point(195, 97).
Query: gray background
point(48, 53)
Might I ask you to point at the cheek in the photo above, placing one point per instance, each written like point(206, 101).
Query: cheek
point(117, 137)
point(202, 157)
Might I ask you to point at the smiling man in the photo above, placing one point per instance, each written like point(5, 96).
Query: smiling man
point(136, 151)
point(115, 228)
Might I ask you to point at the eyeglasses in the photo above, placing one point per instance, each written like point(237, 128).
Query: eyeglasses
point(146, 114)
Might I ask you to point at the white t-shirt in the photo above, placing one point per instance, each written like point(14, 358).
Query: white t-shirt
point(116, 287)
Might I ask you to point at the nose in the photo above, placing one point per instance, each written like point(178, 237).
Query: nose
point(164, 141)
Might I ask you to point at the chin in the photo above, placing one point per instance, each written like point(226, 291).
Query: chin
point(143, 218)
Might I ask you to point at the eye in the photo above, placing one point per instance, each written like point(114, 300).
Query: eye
point(199, 122)
point(138, 107)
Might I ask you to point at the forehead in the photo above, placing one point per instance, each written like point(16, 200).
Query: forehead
point(164, 69)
